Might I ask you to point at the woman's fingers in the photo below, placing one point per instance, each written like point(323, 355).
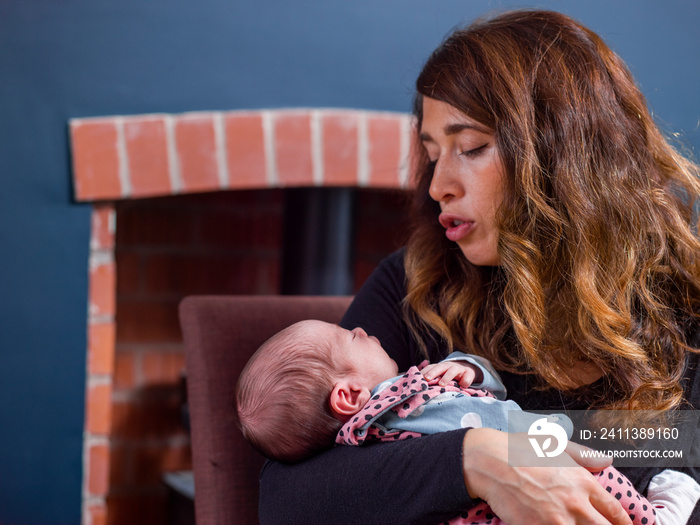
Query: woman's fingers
point(600, 499)
point(608, 506)
point(591, 462)
point(559, 492)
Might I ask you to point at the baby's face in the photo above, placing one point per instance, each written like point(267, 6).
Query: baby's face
point(364, 353)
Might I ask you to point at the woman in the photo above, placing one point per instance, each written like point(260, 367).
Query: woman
point(553, 237)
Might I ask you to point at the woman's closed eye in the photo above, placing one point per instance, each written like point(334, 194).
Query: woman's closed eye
point(474, 152)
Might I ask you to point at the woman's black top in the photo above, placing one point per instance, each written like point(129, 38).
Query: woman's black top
point(411, 481)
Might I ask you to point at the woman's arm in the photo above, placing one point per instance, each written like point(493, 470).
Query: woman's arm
point(410, 481)
point(380, 484)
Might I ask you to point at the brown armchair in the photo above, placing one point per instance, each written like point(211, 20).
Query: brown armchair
point(220, 334)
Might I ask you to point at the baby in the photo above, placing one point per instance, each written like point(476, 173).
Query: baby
point(303, 384)
point(315, 384)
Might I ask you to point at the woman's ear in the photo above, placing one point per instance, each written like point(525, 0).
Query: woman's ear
point(347, 399)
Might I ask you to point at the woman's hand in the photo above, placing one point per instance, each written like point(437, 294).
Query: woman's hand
point(561, 493)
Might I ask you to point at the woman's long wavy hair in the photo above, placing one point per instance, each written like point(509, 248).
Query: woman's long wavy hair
point(598, 257)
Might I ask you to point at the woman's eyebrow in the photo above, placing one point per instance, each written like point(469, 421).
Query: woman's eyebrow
point(453, 129)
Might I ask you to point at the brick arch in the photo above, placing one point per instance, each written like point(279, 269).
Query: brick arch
point(126, 157)
point(138, 156)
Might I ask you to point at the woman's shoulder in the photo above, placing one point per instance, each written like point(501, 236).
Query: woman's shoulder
point(381, 294)
point(388, 277)
point(394, 262)
point(691, 373)
point(692, 335)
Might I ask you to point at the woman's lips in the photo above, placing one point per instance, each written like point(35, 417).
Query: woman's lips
point(456, 228)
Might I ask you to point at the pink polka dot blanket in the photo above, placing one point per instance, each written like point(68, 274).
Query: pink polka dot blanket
point(411, 391)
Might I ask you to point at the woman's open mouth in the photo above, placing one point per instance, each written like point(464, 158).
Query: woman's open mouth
point(456, 228)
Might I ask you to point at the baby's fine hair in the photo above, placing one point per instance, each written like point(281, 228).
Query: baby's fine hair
point(282, 395)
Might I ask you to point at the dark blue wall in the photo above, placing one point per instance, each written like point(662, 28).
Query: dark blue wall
point(79, 58)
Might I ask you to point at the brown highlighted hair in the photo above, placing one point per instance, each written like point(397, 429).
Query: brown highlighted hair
point(282, 395)
point(599, 261)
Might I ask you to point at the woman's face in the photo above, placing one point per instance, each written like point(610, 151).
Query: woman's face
point(467, 181)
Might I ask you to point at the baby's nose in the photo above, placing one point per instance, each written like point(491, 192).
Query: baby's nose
point(359, 331)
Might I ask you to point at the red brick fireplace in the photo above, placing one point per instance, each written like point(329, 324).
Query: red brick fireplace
point(148, 251)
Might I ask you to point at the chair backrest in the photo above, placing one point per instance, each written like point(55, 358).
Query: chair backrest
point(220, 334)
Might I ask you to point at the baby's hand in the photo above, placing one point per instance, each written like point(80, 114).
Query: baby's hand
point(448, 371)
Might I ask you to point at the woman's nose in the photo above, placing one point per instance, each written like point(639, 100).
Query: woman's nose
point(444, 185)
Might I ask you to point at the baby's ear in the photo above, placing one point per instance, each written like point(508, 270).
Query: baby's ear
point(347, 399)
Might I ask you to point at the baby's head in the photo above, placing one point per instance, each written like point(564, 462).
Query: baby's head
point(302, 385)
